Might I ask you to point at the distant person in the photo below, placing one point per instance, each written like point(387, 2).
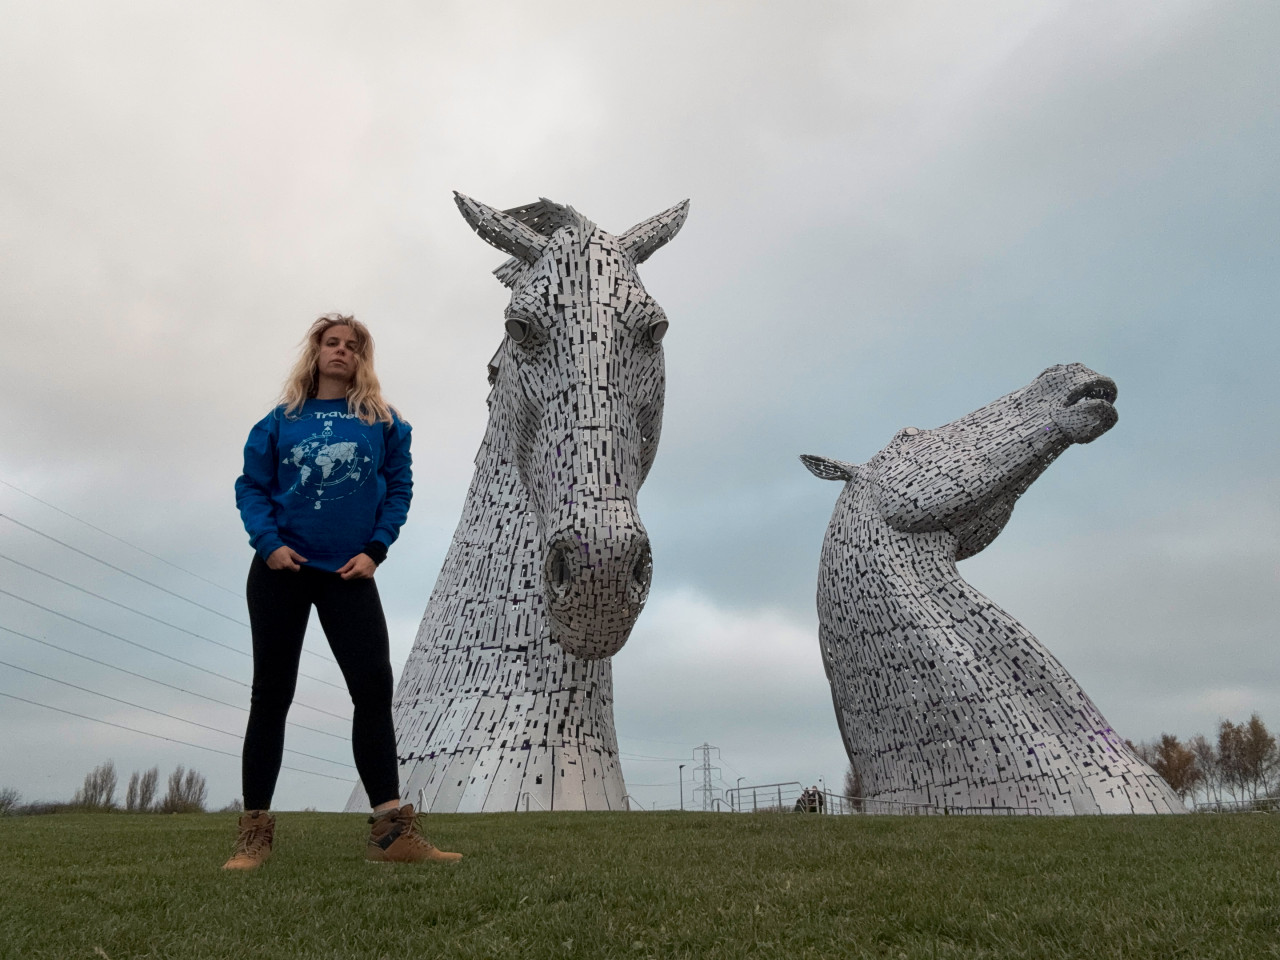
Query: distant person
point(326, 486)
point(810, 800)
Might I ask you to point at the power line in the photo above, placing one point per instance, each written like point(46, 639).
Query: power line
point(158, 736)
point(669, 743)
point(126, 572)
point(106, 533)
point(166, 623)
point(142, 676)
point(731, 767)
point(648, 759)
point(132, 643)
point(129, 703)
point(168, 656)
point(194, 603)
point(157, 586)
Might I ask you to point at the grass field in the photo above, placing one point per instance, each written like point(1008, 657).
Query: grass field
point(649, 885)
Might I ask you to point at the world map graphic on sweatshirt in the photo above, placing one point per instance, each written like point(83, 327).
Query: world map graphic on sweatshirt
point(329, 468)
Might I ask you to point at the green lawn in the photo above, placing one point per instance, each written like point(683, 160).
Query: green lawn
point(649, 885)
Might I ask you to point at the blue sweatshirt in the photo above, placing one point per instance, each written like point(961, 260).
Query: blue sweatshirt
point(325, 483)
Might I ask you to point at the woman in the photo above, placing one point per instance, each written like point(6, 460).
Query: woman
point(325, 488)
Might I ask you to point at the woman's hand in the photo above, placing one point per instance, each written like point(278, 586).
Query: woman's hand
point(359, 567)
point(286, 558)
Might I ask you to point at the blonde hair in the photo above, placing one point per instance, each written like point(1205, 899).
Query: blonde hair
point(364, 393)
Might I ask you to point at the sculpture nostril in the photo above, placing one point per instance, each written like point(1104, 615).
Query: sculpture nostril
point(642, 569)
point(557, 569)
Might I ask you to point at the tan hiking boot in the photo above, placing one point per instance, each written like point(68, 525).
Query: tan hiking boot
point(395, 838)
point(253, 843)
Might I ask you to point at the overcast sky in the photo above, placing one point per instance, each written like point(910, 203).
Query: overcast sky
point(900, 211)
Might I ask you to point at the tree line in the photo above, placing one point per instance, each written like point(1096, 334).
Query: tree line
point(1242, 765)
point(187, 792)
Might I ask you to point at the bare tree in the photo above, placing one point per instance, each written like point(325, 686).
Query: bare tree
point(1210, 767)
point(1145, 752)
point(99, 789)
point(1259, 759)
point(9, 799)
point(853, 787)
point(187, 792)
point(1231, 760)
point(147, 789)
point(141, 793)
point(131, 793)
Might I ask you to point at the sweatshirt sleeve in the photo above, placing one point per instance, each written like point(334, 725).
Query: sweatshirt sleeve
point(397, 471)
point(254, 486)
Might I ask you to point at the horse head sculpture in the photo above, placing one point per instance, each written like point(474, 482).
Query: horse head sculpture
point(942, 697)
point(579, 381)
point(965, 476)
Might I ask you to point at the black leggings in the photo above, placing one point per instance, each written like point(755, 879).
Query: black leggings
point(351, 614)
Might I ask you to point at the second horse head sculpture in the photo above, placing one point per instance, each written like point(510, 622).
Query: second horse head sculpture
point(942, 697)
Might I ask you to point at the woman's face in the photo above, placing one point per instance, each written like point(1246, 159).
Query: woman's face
point(338, 357)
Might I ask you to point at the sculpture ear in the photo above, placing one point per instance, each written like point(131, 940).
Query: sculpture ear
point(648, 235)
point(825, 468)
point(501, 230)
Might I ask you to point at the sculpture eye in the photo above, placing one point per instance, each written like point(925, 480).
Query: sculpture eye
point(658, 330)
point(518, 328)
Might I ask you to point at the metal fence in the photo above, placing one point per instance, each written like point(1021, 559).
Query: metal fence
point(1260, 805)
point(791, 795)
point(764, 797)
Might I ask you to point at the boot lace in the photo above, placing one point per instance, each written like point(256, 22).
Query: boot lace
point(413, 830)
point(253, 837)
